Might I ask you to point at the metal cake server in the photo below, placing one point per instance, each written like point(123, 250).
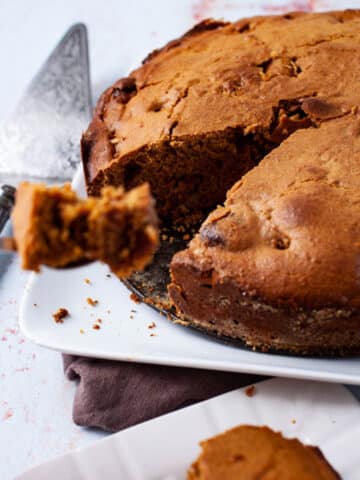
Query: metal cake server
point(41, 139)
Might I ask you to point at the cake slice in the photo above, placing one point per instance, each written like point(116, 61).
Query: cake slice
point(278, 266)
point(258, 453)
point(54, 227)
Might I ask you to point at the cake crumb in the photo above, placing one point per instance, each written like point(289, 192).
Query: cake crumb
point(135, 298)
point(82, 331)
point(35, 304)
point(92, 302)
point(152, 334)
point(88, 281)
point(108, 311)
point(152, 325)
point(293, 421)
point(186, 236)
point(250, 391)
point(108, 275)
point(96, 326)
point(99, 320)
point(60, 314)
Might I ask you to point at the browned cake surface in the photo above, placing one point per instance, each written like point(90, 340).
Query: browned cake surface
point(206, 108)
point(280, 269)
point(258, 453)
point(278, 265)
point(53, 227)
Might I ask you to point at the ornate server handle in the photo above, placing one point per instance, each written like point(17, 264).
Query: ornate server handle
point(7, 200)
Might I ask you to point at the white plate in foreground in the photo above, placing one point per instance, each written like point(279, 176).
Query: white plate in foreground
point(323, 415)
point(125, 333)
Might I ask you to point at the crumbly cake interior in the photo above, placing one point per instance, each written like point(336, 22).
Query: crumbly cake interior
point(258, 453)
point(41, 235)
point(122, 229)
point(53, 227)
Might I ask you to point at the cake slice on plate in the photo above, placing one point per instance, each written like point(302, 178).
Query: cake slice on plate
point(258, 453)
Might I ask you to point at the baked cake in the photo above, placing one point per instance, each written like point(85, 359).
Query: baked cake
point(278, 265)
point(248, 453)
point(54, 227)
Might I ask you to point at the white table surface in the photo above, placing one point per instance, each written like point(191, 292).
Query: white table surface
point(35, 399)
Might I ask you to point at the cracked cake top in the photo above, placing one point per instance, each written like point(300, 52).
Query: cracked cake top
point(265, 74)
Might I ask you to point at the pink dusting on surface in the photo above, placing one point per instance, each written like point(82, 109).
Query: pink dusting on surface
point(8, 414)
point(12, 331)
point(22, 369)
point(4, 338)
point(3, 403)
point(295, 5)
point(201, 9)
point(22, 340)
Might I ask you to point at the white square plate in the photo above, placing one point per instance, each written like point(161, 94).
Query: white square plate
point(124, 333)
point(323, 415)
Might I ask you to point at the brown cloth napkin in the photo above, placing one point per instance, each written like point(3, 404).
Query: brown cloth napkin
point(114, 395)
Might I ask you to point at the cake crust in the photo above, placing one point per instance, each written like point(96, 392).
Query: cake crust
point(190, 113)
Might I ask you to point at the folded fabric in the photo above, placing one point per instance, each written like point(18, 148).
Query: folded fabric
point(114, 395)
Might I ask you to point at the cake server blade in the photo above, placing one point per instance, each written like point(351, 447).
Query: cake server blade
point(41, 138)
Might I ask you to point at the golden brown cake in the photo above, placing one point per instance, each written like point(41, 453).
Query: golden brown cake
point(54, 227)
point(208, 106)
point(278, 266)
point(258, 453)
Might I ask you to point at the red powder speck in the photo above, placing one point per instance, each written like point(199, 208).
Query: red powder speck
point(13, 331)
point(4, 338)
point(8, 414)
point(298, 5)
point(22, 369)
point(21, 341)
point(201, 8)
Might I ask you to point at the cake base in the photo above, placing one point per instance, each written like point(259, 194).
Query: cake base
point(288, 332)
